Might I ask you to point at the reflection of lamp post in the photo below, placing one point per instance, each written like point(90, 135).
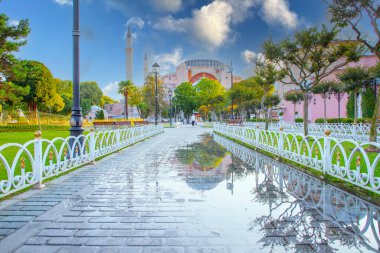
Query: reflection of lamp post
point(156, 70)
point(170, 106)
point(232, 85)
point(76, 121)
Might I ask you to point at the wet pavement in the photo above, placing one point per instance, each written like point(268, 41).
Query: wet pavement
point(188, 191)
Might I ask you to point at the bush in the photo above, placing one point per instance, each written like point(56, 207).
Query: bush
point(350, 106)
point(262, 120)
point(299, 120)
point(368, 103)
point(343, 120)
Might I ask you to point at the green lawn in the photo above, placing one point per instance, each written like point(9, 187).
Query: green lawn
point(21, 138)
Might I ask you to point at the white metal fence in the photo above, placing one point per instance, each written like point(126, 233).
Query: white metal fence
point(346, 159)
point(357, 132)
point(39, 159)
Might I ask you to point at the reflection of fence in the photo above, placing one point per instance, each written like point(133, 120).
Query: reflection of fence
point(345, 159)
point(357, 132)
point(25, 165)
point(358, 217)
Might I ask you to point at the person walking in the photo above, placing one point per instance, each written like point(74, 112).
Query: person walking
point(192, 120)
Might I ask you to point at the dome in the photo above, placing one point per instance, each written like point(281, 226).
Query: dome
point(204, 183)
point(95, 108)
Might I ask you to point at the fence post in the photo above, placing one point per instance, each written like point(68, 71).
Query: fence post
point(38, 165)
point(326, 159)
point(257, 135)
point(281, 142)
point(92, 146)
point(117, 137)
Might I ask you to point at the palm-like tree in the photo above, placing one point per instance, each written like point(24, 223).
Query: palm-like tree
point(125, 88)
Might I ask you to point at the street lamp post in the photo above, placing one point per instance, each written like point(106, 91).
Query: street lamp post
point(232, 85)
point(170, 106)
point(156, 70)
point(76, 121)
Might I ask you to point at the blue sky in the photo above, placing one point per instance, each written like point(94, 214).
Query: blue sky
point(169, 30)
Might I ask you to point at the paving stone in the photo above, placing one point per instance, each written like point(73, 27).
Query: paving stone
point(56, 232)
point(106, 241)
point(144, 242)
point(163, 250)
point(117, 249)
point(35, 248)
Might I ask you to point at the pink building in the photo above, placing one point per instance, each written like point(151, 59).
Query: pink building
point(316, 108)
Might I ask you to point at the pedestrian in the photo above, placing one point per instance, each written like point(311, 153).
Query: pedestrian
point(192, 120)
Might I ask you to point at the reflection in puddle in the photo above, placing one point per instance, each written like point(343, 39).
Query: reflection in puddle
point(287, 209)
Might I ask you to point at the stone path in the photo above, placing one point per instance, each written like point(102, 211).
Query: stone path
point(128, 202)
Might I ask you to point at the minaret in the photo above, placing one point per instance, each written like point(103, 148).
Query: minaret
point(129, 55)
point(146, 65)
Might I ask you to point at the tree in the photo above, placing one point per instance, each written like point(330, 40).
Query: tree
point(11, 94)
point(99, 115)
point(354, 79)
point(212, 94)
point(106, 100)
point(148, 93)
point(38, 78)
point(294, 97)
point(12, 37)
point(337, 89)
point(90, 94)
point(324, 90)
point(246, 94)
point(353, 13)
point(270, 102)
point(309, 57)
point(185, 99)
point(125, 88)
point(267, 75)
point(65, 89)
point(136, 99)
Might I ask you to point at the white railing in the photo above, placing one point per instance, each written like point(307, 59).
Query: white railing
point(343, 209)
point(357, 132)
point(346, 159)
point(30, 164)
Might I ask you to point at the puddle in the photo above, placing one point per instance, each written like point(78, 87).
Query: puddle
point(257, 204)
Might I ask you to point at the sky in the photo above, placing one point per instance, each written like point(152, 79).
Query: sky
point(170, 31)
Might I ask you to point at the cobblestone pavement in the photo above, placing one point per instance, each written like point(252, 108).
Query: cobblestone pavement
point(172, 193)
point(120, 204)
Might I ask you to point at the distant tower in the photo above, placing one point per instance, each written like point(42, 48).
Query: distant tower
point(129, 55)
point(146, 66)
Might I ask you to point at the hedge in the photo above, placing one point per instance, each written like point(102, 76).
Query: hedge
point(31, 128)
point(299, 120)
point(343, 120)
point(261, 120)
point(368, 103)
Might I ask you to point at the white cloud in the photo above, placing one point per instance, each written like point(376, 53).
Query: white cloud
point(139, 22)
point(64, 2)
point(111, 90)
point(209, 24)
point(248, 56)
point(242, 9)
point(167, 5)
point(277, 11)
point(168, 61)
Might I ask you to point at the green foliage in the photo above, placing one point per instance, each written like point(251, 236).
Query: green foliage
point(344, 120)
point(125, 87)
point(323, 88)
point(11, 94)
point(99, 115)
point(90, 94)
point(354, 78)
point(299, 120)
point(350, 106)
point(246, 94)
point(272, 101)
point(43, 94)
point(368, 103)
point(185, 98)
point(65, 89)
point(293, 96)
point(12, 37)
point(105, 100)
point(212, 94)
point(148, 94)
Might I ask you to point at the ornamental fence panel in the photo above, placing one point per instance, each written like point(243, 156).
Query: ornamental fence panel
point(35, 161)
point(346, 159)
point(341, 208)
point(357, 132)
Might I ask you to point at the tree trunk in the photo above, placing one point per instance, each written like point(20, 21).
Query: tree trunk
point(126, 104)
point(373, 129)
point(305, 113)
point(295, 104)
point(266, 111)
point(324, 103)
point(355, 107)
point(339, 98)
